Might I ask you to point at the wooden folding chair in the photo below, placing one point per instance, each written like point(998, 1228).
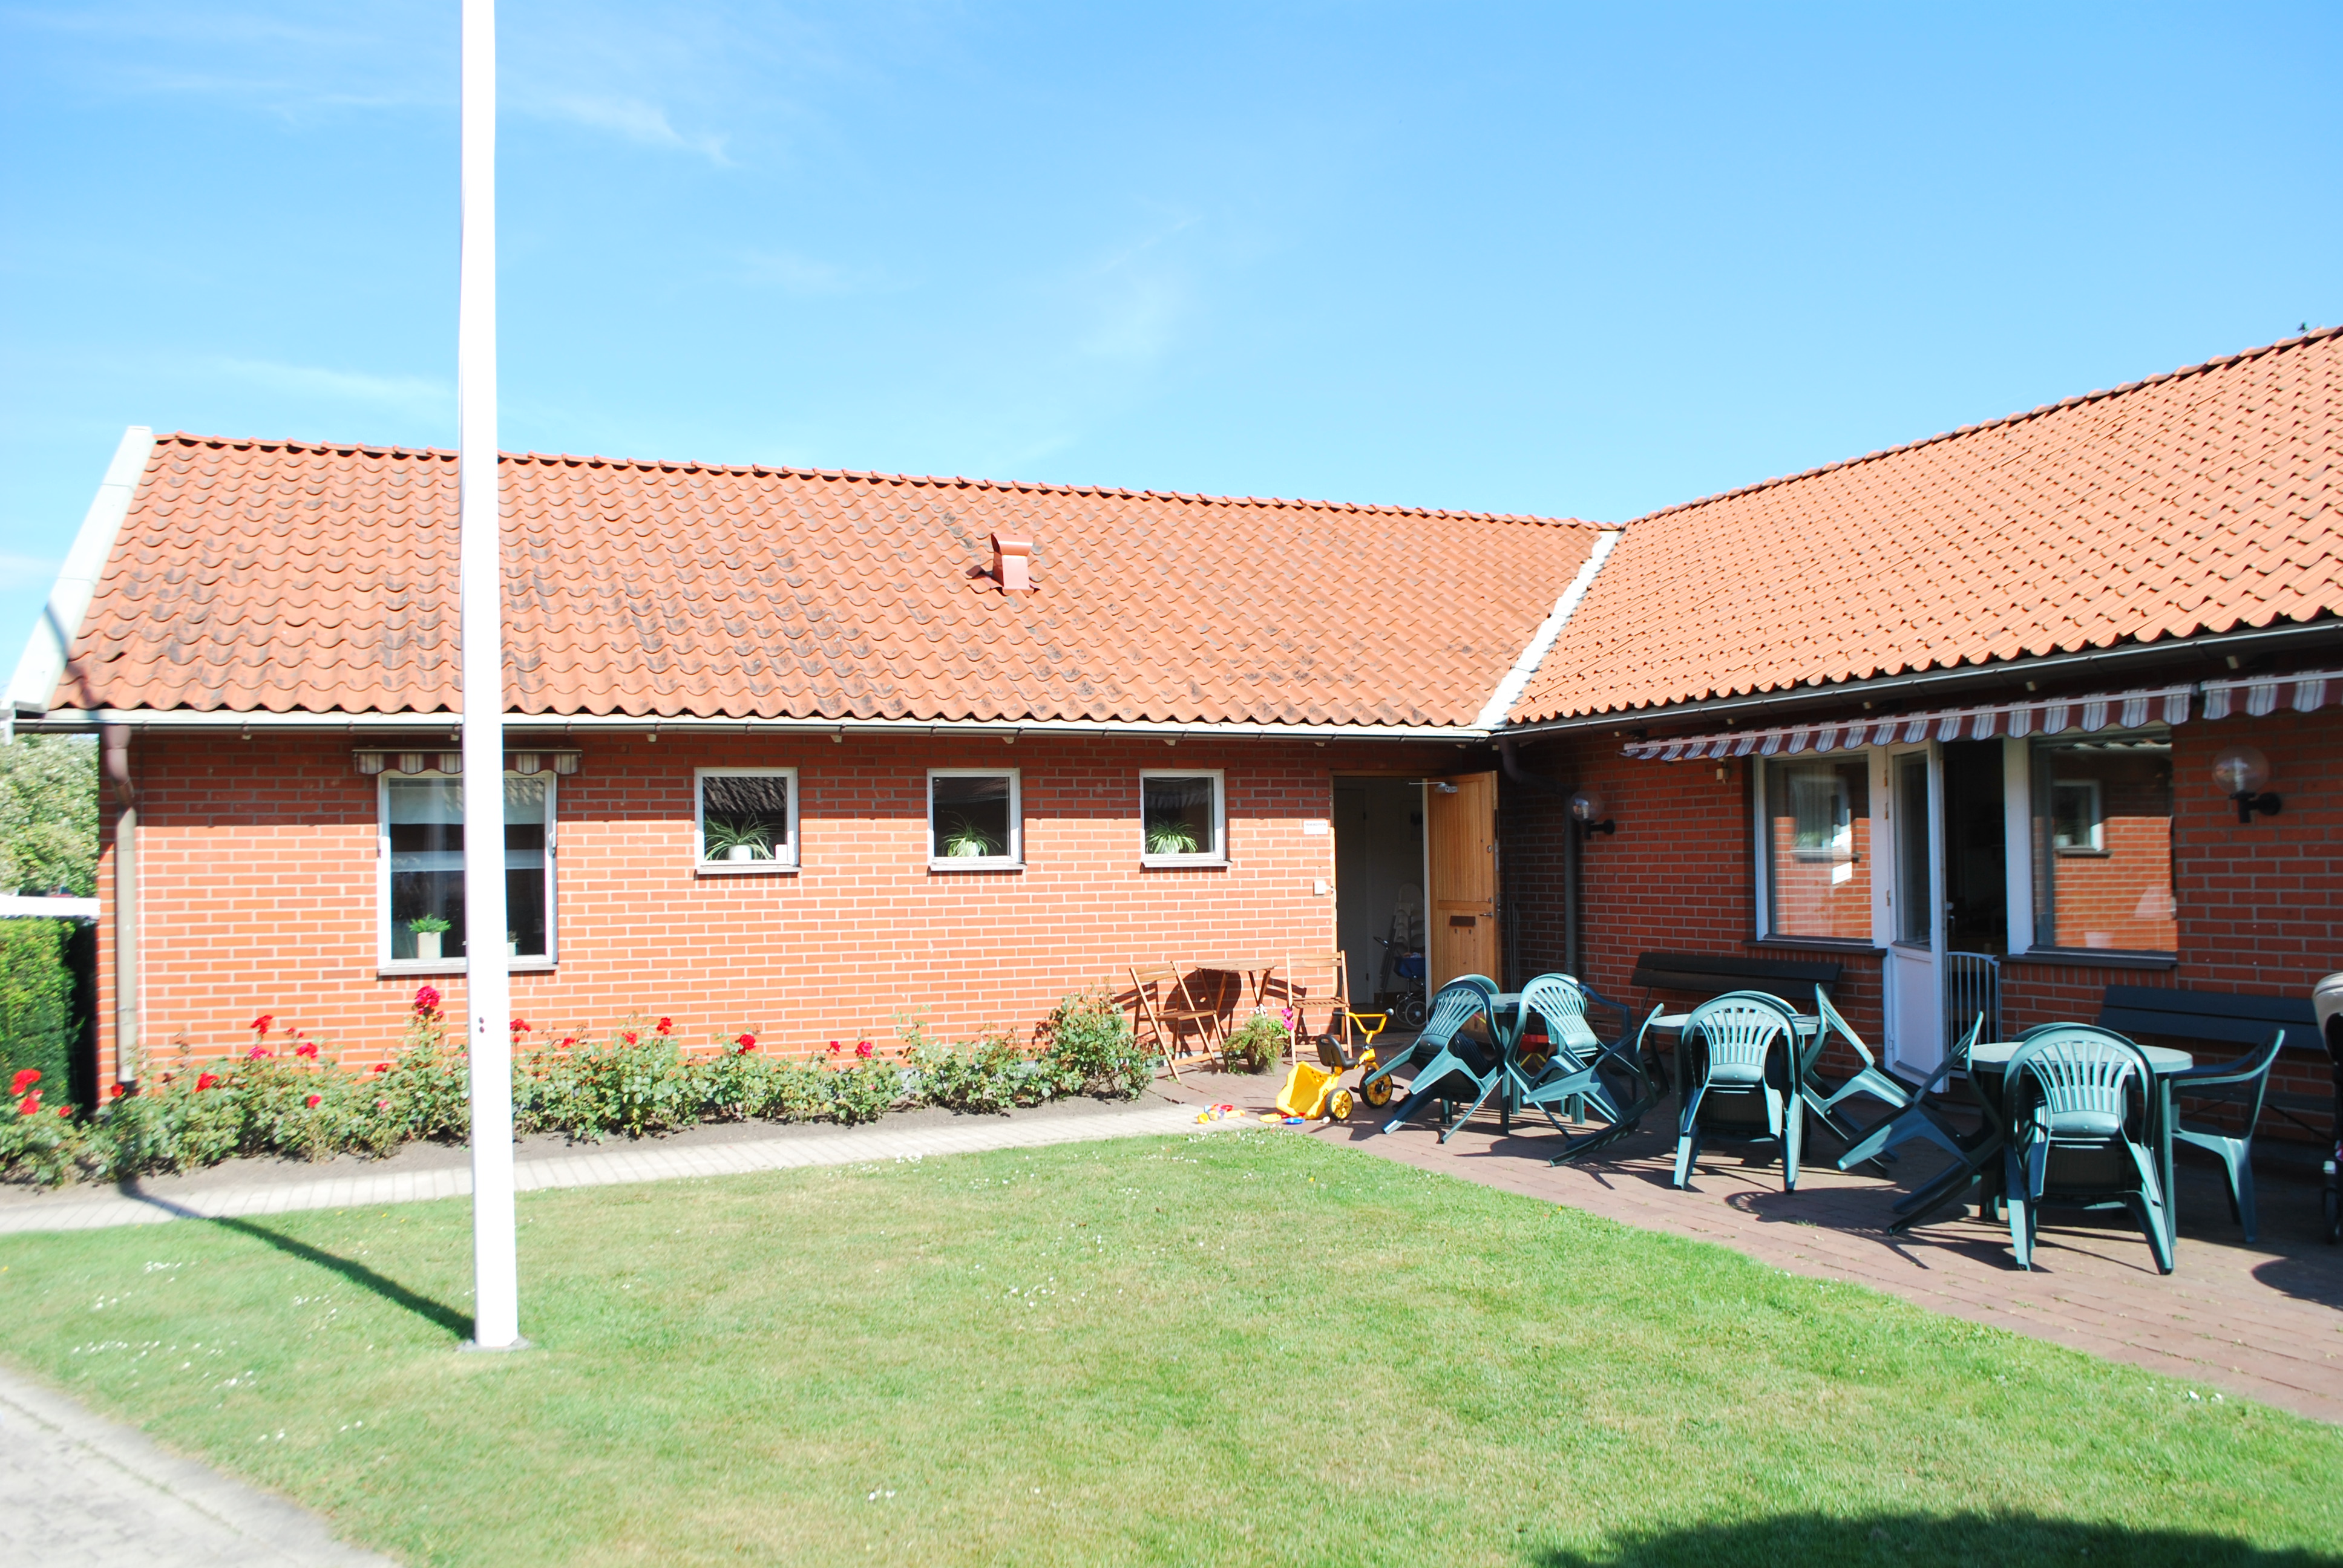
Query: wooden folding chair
point(1161, 996)
point(1316, 981)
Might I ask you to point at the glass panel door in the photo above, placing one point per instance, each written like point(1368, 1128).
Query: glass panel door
point(1915, 911)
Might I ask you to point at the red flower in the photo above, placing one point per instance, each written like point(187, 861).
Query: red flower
point(520, 1026)
point(833, 1047)
point(113, 1091)
point(205, 1081)
point(24, 1080)
point(256, 1053)
point(29, 1104)
point(65, 1112)
point(747, 1042)
point(382, 1067)
point(630, 1037)
point(426, 1000)
point(862, 1049)
point(313, 1101)
point(305, 1049)
point(567, 1041)
point(665, 1025)
point(382, 1105)
point(260, 1025)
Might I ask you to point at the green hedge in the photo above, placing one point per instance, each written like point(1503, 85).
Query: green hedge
point(38, 1030)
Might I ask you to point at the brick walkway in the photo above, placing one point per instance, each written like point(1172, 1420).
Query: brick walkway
point(649, 1160)
point(2265, 1321)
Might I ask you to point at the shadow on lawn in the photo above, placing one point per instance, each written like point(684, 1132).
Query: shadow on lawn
point(357, 1275)
point(1967, 1538)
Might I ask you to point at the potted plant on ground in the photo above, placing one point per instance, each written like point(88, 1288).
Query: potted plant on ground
point(428, 930)
point(1256, 1045)
point(728, 839)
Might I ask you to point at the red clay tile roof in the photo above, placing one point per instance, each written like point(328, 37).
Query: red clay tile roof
point(279, 576)
point(2200, 501)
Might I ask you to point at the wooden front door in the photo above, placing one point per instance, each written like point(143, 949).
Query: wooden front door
point(1461, 823)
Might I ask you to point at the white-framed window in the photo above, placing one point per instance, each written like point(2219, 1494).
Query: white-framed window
point(1813, 847)
point(419, 872)
point(2102, 842)
point(2076, 827)
point(1183, 819)
point(975, 819)
point(745, 819)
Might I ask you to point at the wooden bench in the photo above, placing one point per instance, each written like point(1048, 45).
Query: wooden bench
point(2232, 1018)
point(2229, 1016)
point(1713, 974)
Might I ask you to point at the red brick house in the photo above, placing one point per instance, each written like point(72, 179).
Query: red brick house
point(791, 751)
point(1967, 696)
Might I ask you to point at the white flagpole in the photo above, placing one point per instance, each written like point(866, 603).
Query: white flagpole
point(496, 1281)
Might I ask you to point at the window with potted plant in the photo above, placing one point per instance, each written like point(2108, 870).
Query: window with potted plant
point(974, 819)
point(746, 818)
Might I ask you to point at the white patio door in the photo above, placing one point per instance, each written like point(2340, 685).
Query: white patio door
point(1914, 906)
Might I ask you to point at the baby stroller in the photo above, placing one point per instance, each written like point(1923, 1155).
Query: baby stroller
point(2326, 1002)
point(1400, 987)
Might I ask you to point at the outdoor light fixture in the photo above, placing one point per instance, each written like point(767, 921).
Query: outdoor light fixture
point(2241, 771)
point(1586, 806)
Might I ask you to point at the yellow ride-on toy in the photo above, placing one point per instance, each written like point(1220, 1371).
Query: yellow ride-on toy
point(1317, 1090)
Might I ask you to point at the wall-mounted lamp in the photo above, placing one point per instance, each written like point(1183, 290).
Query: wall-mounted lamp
point(1584, 807)
point(2241, 771)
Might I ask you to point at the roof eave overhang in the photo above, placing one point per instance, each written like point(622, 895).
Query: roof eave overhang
point(66, 720)
point(2210, 652)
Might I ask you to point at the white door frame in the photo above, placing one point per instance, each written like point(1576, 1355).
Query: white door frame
point(1914, 1010)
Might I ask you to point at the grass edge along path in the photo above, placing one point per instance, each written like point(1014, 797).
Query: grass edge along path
point(1242, 1348)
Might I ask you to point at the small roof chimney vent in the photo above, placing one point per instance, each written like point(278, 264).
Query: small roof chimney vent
point(1011, 564)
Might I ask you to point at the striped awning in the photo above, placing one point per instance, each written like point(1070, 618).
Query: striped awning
point(2258, 695)
point(2040, 715)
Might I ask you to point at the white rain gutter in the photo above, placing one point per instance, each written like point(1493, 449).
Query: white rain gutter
point(66, 720)
point(1509, 690)
point(44, 660)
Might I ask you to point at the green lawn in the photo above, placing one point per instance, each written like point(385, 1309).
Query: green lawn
point(1240, 1347)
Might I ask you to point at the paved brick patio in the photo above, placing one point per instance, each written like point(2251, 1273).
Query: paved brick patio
point(2265, 1321)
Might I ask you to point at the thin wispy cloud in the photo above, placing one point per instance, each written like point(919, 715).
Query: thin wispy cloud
point(26, 572)
point(644, 124)
point(800, 275)
point(421, 395)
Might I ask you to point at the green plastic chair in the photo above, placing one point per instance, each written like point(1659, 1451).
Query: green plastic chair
point(1973, 1151)
point(2074, 1140)
point(1923, 1121)
point(2242, 1084)
point(1559, 1002)
point(1614, 1083)
point(1739, 1093)
point(1458, 1066)
point(1871, 1079)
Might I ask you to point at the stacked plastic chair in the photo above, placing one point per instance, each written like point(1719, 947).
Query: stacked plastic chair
point(1750, 1058)
point(2075, 1140)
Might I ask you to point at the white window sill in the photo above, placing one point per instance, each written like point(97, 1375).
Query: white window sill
point(1183, 862)
point(970, 863)
point(537, 964)
point(746, 869)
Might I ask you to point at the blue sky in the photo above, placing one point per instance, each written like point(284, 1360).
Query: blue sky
point(1532, 258)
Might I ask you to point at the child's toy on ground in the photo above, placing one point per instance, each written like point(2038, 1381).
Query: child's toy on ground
point(1314, 1091)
